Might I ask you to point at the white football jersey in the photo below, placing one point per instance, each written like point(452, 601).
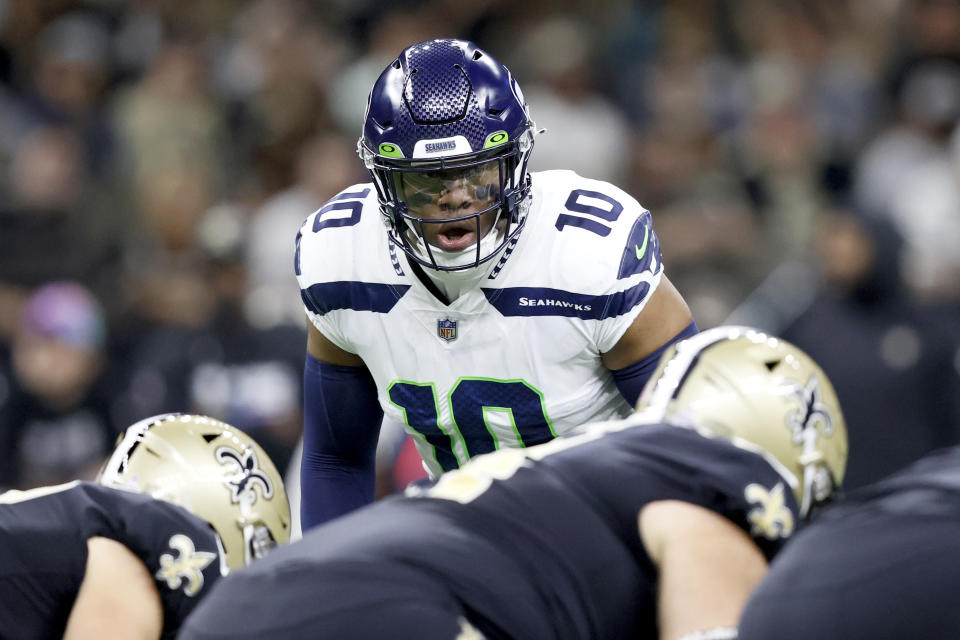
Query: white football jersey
point(512, 363)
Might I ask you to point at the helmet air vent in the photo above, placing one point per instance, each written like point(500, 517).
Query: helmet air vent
point(439, 95)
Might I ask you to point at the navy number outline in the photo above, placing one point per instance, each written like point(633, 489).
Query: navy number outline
point(573, 204)
point(352, 200)
point(334, 204)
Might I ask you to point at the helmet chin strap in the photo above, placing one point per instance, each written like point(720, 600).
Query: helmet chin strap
point(454, 283)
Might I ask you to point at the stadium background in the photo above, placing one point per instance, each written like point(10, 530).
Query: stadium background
point(800, 158)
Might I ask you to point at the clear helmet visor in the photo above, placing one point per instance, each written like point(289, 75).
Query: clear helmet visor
point(452, 214)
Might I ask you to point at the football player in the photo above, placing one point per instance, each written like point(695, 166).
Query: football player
point(882, 563)
point(499, 308)
point(181, 501)
point(657, 525)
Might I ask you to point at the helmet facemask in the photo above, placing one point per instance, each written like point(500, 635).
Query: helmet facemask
point(447, 111)
point(458, 212)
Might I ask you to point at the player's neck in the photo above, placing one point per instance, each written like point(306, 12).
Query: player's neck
point(448, 286)
point(428, 283)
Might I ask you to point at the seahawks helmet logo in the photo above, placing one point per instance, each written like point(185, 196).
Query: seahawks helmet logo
point(248, 475)
point(814, 411)
point(186, 569)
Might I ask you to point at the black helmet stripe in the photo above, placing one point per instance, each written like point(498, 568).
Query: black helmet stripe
point(118, 461)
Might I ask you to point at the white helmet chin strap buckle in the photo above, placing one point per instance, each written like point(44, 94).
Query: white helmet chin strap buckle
point(257, 542)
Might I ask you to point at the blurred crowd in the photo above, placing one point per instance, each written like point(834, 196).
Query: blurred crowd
point(801, 159)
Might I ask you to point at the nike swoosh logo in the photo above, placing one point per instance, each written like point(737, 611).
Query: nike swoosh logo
point(642, 249)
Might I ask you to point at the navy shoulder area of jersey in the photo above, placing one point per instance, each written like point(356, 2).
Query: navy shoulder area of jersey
point(343, 259)
point(590, 252)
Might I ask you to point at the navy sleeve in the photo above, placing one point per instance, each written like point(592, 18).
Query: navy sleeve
point(631, 379)
point(341, 425)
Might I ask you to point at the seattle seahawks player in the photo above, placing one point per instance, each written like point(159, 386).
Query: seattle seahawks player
point(882, 563)
point(657, 525)
point(182, 500)
point(501, 308)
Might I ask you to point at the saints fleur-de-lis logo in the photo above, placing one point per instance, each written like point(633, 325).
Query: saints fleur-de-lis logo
point(813, 411)
point(248, 474)
point(186, 568)
point(468, 631)
point(770, 518)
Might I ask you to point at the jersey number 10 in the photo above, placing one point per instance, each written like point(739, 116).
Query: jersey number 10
point(470, 402)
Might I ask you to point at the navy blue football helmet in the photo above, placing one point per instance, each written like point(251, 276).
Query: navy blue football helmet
point(446, 138)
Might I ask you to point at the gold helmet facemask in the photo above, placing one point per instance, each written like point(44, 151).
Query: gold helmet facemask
point(213, 470)
point(763, 394)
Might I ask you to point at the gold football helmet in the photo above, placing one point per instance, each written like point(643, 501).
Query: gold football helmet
point(762, 393)
point(213, 470)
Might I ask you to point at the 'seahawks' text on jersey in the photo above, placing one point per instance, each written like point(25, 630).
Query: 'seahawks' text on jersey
point(514, 362)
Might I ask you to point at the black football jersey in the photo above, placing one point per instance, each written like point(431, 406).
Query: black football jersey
point(43, 552)
point(542, 543)
point(882, 563)
point(932, 484)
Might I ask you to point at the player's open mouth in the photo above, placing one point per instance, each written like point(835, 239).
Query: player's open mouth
point(456, 238)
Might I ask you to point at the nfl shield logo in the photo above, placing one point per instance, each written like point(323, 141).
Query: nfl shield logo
point(447, 329)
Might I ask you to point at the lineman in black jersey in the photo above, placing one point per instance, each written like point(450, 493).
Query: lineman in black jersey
point(83, 560)
point(883, 563)
point(655, 526)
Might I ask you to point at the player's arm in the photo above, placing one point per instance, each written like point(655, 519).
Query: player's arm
point(707, 566)
point(340, 428)
point(118, 597)
point(664, 320)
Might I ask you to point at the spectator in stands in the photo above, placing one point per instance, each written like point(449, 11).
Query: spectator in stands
point(56, 423)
